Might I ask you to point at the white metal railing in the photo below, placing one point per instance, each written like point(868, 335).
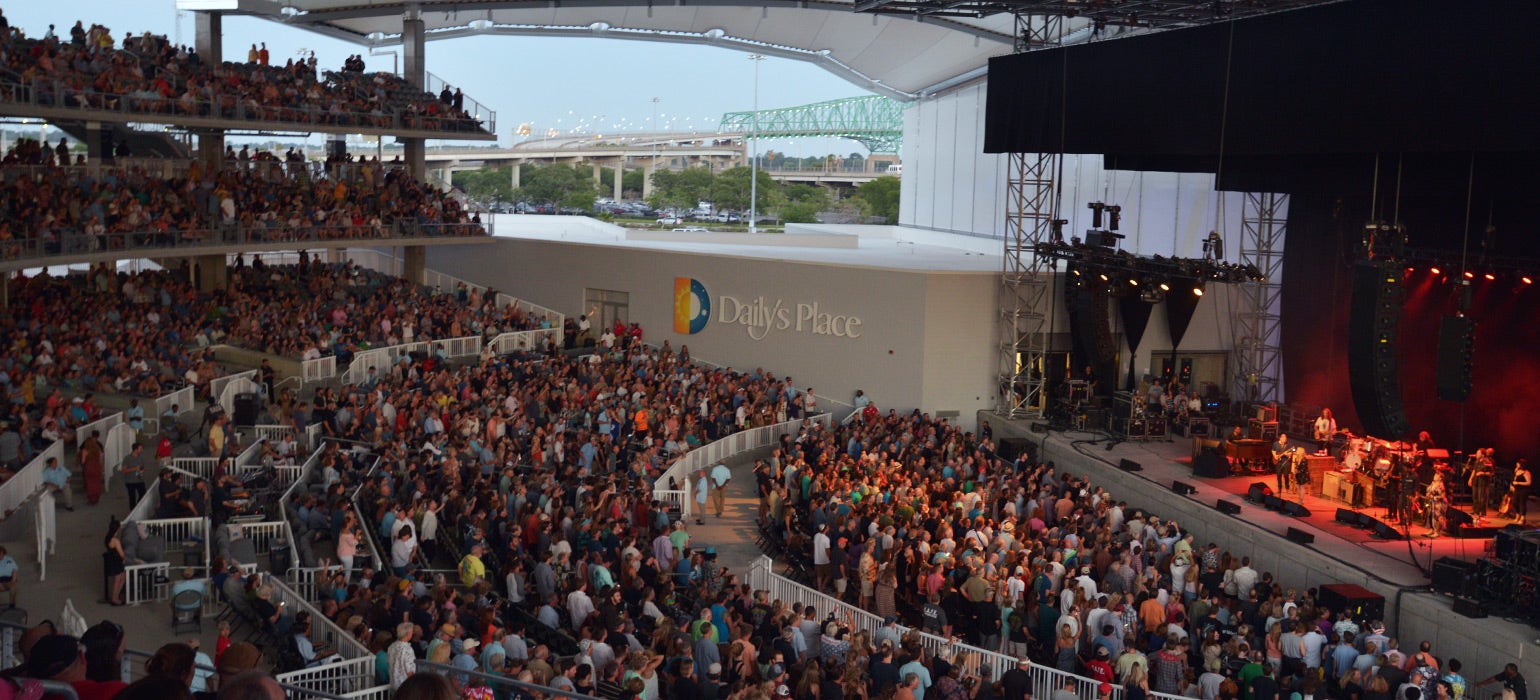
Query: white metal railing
point(240, 384)
point(145, 508)
point(262, 535)
point(100, 426)
point(306, 581)
point(318, 370)
point(524, 341)
point(469, 346)
point(1045, 679)
point(842, 411)
point(708, 455)
point(312, 436)
point(217, 386)
point(115, 447)
point(341, 678)
point(182, 399)
point(47, 526)
point(201, 467)
point(322, 631)
point(557, 319)
point(28, 480)
point(274, 433)
point(146, 583)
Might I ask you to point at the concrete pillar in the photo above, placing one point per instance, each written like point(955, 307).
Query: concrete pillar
point(210, 37)
point(212, 274)
point(620, 173)
point(209, 42)
point(516, 167)
point(98, 143)
point(647, 181)
point(414, 263)
point(416, 74)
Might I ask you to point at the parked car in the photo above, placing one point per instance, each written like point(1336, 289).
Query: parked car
point(670, 220)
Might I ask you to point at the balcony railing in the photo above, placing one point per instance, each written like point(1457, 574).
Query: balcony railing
point(73, 243)
point(149, 106)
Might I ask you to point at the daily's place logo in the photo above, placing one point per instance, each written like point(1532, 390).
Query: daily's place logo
point(692, 306)
point(760, 316)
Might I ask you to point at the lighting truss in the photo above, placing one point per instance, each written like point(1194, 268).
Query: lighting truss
point(1027, 293)
point(1257, 366)
point(1148, 14)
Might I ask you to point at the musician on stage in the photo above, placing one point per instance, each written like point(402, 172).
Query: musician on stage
point(1301, 472)
point(1325, 428)
point(1283, 462)
point(1424, 463)
point(1437, 502)
point(1480, 481)
point(1516, 503)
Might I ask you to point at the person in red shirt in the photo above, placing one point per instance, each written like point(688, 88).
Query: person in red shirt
point(59, 657)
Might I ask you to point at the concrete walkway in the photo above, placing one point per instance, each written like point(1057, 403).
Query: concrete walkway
point(734, 533)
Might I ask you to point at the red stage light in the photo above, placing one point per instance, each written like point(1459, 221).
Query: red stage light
point(1436, 271)
point(1491, 277)
point(1470, 275)
point(1527, 280)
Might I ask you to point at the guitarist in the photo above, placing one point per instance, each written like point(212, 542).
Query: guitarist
point(1325, 428)
point(1283, 463)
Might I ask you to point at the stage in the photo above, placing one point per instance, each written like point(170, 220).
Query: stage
point(1398, 570)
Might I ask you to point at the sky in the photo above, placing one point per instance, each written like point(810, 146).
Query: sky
point(597, 85)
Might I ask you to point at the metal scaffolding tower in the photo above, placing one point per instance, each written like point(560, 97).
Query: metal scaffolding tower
point(1026, 297)
point(1258, 367)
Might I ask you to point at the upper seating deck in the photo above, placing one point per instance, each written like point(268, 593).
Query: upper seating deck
point(146, 79)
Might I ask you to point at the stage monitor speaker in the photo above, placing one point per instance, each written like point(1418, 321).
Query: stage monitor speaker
point(1182, 489)
point(1373, 347)
point(1347, 517)
point(1456, 343)
point(1129, 465)
point(1258, 492)
point(1300, 536)
point(1273, 503)
point(1360, 602)
point(1039, 427)
point(1470, 607)
point(1296, 510)
point(1366, 521)
point(1386, 532)
point(1455, 522)
point(1228, 507)
point(1210, 464)
point(1011, 448)
point(1452, 576)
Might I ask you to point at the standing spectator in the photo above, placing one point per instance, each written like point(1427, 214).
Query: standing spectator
point(1511, 680)
point(402, 659)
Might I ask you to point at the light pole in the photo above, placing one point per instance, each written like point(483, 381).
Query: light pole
point(653, 127)
point(753, 150)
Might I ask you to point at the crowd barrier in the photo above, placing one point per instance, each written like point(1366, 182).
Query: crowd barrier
point(674, 486)
point(524, 341)
point(28, 480)
point(182, 399)
point(318, 370)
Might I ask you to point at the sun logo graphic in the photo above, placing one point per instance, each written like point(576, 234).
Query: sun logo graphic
point(692, 306)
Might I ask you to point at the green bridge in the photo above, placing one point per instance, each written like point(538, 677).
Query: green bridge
point(875, 122)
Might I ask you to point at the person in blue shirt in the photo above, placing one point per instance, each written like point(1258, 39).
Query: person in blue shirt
point(8, 569)
point(56, 478)
point(702, 488)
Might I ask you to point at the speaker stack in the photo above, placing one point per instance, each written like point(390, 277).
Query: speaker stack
point(1456, 344)
point(1373, 344)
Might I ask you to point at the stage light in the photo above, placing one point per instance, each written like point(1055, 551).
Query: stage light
point(1527, 280)
point(1103, 276)
point(1491, 277)
point(1133, 282)
point(1197, 291)
point(1166, 287)
point(1077, 272)
point(1436, 271)
point(1470, 275)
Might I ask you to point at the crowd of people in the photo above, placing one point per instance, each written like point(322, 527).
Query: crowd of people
point(149, 74)
point(52, 210)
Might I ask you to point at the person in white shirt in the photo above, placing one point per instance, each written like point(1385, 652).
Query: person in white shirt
point(821, 556)
point(402, 549)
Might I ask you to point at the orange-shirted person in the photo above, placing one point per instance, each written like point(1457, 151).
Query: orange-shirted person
point(641, 424)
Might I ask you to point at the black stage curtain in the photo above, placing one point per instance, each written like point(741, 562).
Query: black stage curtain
point(1135, 313)
point(1364, 76)
point(1180, 306)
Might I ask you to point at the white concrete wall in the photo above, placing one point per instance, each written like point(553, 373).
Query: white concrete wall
point(894, 360)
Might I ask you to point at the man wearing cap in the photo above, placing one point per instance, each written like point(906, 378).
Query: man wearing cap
point(888, 632)
point(59, 657)
point(1016, 684)
point(777, 678)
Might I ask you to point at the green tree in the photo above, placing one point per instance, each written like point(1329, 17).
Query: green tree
point(730, 190)
point(681, 188)
point(881, 197)
point(631, 181)
point(495, 184)
point(566, 186)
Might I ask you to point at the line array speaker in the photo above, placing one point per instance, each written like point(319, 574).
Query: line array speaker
point(1456, 344)
point(1373, 343)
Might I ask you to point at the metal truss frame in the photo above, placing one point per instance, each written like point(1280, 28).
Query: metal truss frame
point(1027, 295)
point(874, 121)
point(1258, 364)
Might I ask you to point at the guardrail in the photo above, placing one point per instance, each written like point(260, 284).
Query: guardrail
point(524, 341)
point(201, 467)
point(318, 370)
point(1045, 680)
point(145, 583)
point(63, 243)
point(182, 399)
point(708, 455)
point(558, 320)
point(217, 386)
point(325, 632)
point(340, 678)
point(28, 480)
point(151, 107)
